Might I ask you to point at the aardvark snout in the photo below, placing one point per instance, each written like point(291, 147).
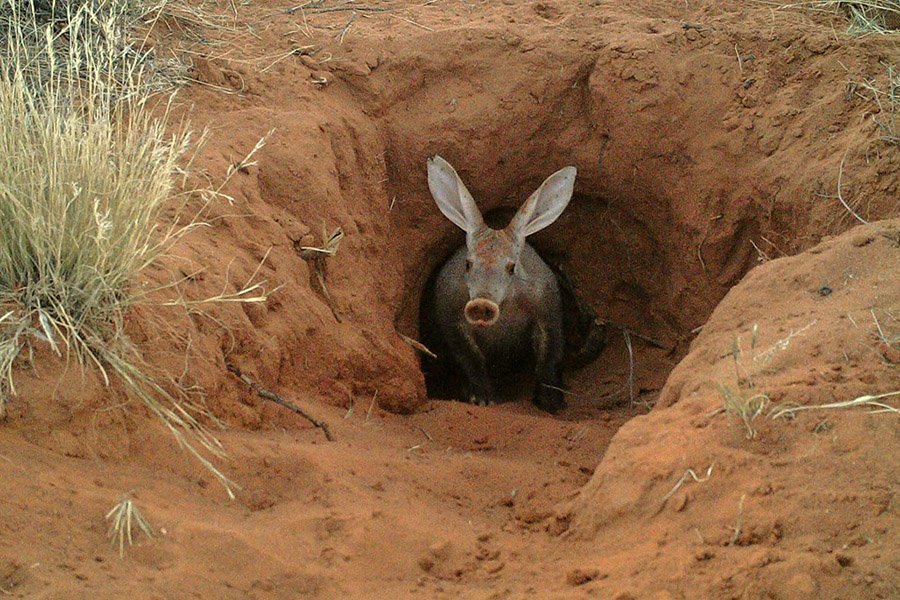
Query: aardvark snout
point(482, 312)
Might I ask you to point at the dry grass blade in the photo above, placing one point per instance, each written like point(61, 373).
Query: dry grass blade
point(690, 473)
point(788, 410)
point(125, 515)
point(245, 163)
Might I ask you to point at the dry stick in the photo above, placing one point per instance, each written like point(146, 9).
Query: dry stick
point(266, 394)
point(630, 366)
point(340, 37)
point(652, 341)
point(878, 326)
point(760, 255)
point(344, 8)
point(371, 406)
point(411, 22)
point(739, 523)
point(417, 345)
point(840, 196)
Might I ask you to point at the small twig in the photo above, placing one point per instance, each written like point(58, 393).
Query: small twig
point(760, 255)
point(881, 333)
point(266, 394)
point(340, 37)
point(430, 439)
point(418, 346)
point(840, 196)
point(371, 406)
point(345, 8)
point(700, 536)
point(782, 344)
point(652, 341)
point(740, 61)
point(411, 22)
point(630, 365)
point(579, 435)
point(700, 252)
point(581, 396)
point(739, 523)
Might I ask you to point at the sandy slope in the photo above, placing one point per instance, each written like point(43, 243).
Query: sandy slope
point(686, 155)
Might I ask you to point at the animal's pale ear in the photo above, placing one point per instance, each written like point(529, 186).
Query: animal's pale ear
point(452, 197)
point(546, 204)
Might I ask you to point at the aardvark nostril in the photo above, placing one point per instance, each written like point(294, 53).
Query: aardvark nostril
point(482, 312)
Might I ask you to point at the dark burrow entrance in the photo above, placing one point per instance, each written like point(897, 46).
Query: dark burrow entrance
point(657, 231)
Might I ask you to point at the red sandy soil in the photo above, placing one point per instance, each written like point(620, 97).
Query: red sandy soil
point(710, 138)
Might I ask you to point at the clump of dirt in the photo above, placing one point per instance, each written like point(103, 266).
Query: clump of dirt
point(710, 139)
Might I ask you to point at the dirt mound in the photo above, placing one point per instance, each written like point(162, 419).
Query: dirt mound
point(686, 155)
point(791, 512)
point(709, 138)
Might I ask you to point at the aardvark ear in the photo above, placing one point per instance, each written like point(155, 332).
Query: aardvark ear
point(452, 197)
point(545, 204)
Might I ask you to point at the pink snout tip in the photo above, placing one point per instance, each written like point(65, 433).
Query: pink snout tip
point(481, 312)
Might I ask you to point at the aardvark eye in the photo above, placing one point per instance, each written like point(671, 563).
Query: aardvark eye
point(510, 267)
point(468, 265)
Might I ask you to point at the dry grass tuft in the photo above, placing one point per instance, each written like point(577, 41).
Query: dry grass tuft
point(865, 17)
point(741, 401)
point(125, 515)
point(81, 187)
point(87, 165)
